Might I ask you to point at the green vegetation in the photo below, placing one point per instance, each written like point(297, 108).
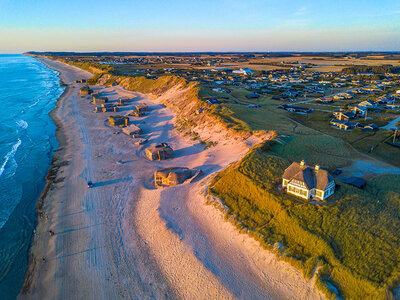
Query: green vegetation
point(226, 116)
point(353, 239)
point(90, 67)
point(152, 86)
point(371, 69)
point(316, 149)
point(93, 80)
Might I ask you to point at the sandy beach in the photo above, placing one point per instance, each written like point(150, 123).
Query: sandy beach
point(126, 239)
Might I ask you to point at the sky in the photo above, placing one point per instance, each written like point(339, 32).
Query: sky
point(206, 25)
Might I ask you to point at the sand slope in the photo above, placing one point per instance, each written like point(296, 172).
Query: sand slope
point(124, 238)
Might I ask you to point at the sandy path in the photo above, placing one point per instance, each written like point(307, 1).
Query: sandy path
point(391, 124)
point(125, 239)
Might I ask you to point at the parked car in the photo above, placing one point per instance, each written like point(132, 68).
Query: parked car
point(89, 184)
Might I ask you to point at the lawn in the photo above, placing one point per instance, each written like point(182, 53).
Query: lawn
point(360, 140)
point(321, 149)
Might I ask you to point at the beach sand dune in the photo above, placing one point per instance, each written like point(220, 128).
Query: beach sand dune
point(124, 238)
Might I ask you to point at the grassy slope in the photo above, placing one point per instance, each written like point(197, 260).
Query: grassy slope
point(354, 239)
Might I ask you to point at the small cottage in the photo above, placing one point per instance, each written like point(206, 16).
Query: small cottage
point(370, 127)
point(253, 96)
point(345, 116)
point(358, 110)
point(345, 125)
point(308, 182)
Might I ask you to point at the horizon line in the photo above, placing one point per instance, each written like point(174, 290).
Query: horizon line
point(221, 52)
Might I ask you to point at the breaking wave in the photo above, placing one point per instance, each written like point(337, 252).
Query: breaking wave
point(23, 124)
point(9, 155)
point(33, 104)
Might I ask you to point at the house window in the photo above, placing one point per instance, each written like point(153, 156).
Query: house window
point(304, 193)
point(284, 182)
point(318, 194)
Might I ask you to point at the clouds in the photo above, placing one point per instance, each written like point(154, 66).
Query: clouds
point(300, 11)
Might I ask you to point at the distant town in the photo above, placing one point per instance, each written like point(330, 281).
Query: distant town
point(359, 91)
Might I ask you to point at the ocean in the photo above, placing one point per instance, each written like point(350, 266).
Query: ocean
point(28, 92)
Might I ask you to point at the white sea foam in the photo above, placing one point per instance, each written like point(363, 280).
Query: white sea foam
point(9, 155)
point(33, 104)
point(23, 124)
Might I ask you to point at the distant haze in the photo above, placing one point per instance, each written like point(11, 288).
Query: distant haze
point(220, 25)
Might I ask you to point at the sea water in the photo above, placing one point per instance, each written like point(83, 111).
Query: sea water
point(28, 92)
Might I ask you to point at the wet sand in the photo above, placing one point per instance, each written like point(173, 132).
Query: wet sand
point(125, 239)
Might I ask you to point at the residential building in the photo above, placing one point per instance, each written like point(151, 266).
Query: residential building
point(345, 116)
point(308, 182)
point(345, 125)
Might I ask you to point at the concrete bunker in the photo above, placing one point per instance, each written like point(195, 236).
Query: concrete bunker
point(174, 176)
point(118, 120)
point(159, 152)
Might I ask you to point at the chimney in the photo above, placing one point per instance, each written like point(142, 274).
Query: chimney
point(316, 167)
point(302, 163)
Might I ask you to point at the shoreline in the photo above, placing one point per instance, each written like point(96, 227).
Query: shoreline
point(36, 134)
point(124, 238)
point(41, 275)
point(50, 178)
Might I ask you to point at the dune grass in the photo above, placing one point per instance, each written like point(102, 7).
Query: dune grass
point(316, 149)
point(353, 239)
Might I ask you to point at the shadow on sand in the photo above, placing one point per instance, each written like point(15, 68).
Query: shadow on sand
point(190, 150)
point(151, 120)
point(207, 169)
point(76, 253)
point(73, 214)
point(76, 229)
point(108, 93)
point(108, 182)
